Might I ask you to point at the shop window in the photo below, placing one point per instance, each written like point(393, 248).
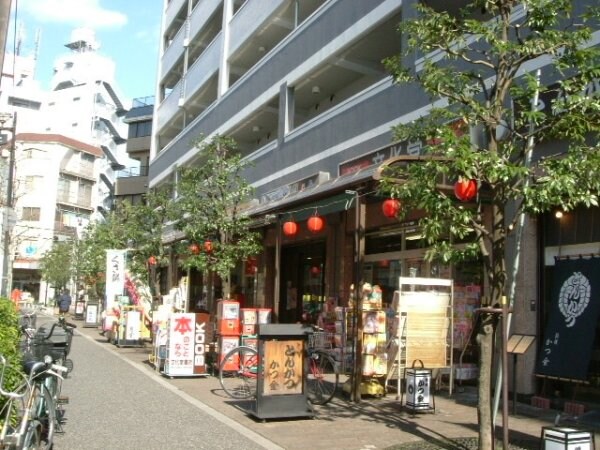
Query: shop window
point(383, 242)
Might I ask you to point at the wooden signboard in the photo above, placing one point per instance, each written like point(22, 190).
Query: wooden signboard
point(283, 367)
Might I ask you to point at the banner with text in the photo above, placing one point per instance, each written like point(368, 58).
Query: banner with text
point(115, 276)
point(572, 319)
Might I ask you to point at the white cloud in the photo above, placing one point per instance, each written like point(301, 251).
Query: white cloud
point(79, 13)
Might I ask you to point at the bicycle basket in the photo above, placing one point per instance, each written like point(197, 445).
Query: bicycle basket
point(57, 346)
point(320, 339)
point(40, 349)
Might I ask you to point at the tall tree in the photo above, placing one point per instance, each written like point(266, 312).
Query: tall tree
point(57, 265)
point(210, 198)
point(476, 69)
point(91, 251)
point(143, 225)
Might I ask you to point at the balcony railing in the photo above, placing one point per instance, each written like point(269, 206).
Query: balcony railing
point(77, 200)
point(141, 171)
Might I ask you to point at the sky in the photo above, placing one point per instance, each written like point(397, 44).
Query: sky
point(128, 32)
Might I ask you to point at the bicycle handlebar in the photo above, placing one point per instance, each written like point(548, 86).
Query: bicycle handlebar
point(67, 326)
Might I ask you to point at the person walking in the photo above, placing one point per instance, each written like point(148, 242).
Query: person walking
point(64, 303)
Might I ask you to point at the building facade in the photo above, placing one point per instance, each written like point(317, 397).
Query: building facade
point(69, 146)
point(301, 87)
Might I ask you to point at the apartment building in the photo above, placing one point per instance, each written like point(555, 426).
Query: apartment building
point(69, 146)
point(301, 87)
point(132, 182)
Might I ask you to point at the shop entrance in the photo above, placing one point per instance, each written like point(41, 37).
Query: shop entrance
point(302, 282)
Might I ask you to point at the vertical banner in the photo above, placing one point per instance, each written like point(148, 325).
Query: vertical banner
point(572, 319)
point(115, 275)
point(115, 283)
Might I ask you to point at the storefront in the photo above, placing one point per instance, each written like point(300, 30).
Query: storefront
point(570, 242)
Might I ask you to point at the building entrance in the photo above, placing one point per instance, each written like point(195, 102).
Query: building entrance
point(302, 282)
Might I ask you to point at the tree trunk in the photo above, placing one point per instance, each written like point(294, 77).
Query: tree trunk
point(485, 339)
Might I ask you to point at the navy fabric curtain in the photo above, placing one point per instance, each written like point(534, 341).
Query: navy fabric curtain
point(572, 318)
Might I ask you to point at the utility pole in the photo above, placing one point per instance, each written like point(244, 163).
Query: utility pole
point(8, 207)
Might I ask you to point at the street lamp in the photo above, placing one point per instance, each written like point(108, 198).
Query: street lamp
point(8, 207)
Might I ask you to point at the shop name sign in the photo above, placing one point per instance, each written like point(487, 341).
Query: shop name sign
point(292, 188)
point(200, 343)
point(378, 156)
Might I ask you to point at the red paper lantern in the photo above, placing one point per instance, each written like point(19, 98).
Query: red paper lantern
point(290, 228)
point(465, 189)
point(390, 207)
point(152, 261)
point(208, 247)
point(315, 270)
point(315, 224)
point(194, 249)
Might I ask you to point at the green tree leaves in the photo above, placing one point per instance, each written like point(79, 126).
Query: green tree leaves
point(211, 195)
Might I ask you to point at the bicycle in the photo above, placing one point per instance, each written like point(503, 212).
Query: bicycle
point(55, 344)
point(239, 370)
point(29, 415)
point(323, 375)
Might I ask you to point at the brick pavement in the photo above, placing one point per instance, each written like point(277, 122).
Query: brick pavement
point(374, 423)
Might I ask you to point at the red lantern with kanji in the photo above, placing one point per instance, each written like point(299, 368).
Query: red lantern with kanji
point(208, 247)
point(390, 207)
point(152, 260)
point(315, 224)
point(290, 228)
point(465, 189)
point(194, 249)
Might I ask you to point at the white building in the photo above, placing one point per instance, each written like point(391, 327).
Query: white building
point(68, 149)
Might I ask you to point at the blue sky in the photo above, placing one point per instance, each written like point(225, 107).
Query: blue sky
point(128, 32)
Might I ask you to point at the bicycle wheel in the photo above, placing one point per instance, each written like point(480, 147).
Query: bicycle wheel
point(11, 413)
point(40, 431)
point(238, 372)
point(322, 378)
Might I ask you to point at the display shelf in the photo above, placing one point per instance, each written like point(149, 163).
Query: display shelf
point(422, 329)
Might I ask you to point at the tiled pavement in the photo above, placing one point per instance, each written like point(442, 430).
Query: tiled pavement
point(374, 423)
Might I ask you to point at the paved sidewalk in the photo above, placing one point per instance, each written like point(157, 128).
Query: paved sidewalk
point(369, 425)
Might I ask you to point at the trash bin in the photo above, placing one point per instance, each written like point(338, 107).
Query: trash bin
point(281, 382)
point(419, 397)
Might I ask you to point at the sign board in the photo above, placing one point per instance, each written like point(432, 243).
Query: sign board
point(186, 344)
point(91, 315)
point(519, 343)
point(283, 367)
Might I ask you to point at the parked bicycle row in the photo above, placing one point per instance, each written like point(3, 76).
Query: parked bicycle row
point(31, 404)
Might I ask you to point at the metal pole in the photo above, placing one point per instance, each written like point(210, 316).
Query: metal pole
point(518, 243)
point(504, 373)
point(8, 208)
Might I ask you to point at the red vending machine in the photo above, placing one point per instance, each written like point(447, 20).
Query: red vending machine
point(228, 329)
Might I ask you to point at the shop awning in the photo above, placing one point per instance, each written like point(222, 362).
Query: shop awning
point(327, 197)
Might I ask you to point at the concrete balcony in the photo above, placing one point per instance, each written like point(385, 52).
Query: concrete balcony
point(174, 52)
point(70, 199)
point(169, 106)
point(204, 68)
point(172, 11)
point(201, 14)
point(250, 17)
point(133, 185)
